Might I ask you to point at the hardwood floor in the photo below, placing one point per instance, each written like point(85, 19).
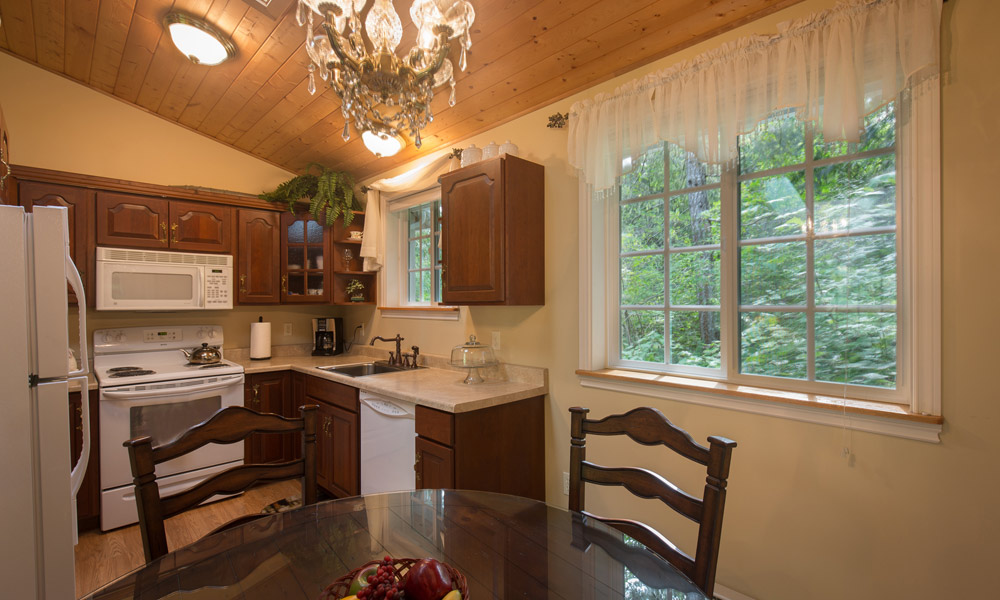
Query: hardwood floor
point(103, 557)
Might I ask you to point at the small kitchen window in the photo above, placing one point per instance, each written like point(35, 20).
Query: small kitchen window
point(412, 272)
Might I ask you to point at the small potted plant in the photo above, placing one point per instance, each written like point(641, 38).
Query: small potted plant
point(355, 290)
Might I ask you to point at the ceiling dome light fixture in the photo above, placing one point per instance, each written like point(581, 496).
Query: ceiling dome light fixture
point(199, 41)
point(382, 144)
point(381, 94)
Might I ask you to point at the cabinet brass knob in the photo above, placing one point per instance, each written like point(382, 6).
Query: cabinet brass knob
point(255, 395)
point(79, 413)
point(173, 232)
point(163, 232)
point(284, 284)
point(243, 284)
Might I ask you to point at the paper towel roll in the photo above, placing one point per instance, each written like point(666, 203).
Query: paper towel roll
point(260, 341)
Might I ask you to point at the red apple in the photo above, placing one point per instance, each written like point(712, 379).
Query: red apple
point(427, 579)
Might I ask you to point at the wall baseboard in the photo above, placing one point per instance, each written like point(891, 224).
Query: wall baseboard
point(724, 593)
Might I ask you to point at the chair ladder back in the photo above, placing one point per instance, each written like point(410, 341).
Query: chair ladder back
point(655, 541)
point(645, 484)
point(227, 426)
point(147, 496)
point(714, 501)
point(230, 481)
point(648, 426)
point(309, 489)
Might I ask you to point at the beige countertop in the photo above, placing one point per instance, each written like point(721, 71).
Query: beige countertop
point(434, 387)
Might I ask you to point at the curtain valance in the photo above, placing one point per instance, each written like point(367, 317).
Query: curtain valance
point(832, 68)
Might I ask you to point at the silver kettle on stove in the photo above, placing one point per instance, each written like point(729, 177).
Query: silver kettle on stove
point(206, 355)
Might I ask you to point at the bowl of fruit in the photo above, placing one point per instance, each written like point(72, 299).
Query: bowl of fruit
point(399, 579)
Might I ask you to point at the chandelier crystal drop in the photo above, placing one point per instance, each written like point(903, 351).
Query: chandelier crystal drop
point(381, 93)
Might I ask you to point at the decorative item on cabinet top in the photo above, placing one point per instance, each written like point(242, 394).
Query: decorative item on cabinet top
point(330, 194)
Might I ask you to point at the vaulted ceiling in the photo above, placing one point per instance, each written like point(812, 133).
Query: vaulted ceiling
point(525, 54)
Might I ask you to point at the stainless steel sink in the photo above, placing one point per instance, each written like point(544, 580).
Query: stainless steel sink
point(365, 369)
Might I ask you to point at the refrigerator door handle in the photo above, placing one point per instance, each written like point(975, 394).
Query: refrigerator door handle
point(73, 277)
point(80, 468)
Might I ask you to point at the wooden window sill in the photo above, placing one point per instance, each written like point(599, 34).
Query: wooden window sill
point(862, 415)
point(433, 313)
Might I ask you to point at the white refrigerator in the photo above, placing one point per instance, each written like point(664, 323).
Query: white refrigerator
point(37, 483)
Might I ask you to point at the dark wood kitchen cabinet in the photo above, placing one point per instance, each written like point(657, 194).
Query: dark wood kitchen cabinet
point(133, 221)
point(338, 439)
point(495, 449)
point(258, 252)
point(78, 203)
point(493, 233)
point(269, 393)
point(8, 194)
point(305, 265)
point(88, 499)
point(199, 227)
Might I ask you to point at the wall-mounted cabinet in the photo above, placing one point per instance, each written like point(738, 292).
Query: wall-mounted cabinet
point(78, 203)
point(8, 195)
point(258, 238)
point(493, 233)
point(132, 221)
point(305, 270)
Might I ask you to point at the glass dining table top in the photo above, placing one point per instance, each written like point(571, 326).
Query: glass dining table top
point(505, 546)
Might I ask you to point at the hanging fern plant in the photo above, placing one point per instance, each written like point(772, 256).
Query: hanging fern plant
point(329, 193)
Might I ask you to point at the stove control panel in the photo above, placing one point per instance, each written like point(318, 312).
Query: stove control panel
point(156, 336)
point(145, 339)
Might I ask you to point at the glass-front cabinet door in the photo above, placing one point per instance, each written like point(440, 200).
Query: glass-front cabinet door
point(305, 269)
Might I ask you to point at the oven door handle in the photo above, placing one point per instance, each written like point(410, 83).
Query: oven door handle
point(169, 392)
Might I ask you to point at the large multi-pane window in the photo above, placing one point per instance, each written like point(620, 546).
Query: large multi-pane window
point(423, 251)
point(783, 265)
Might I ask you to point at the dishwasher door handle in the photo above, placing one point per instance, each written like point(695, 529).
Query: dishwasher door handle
point(387, 408)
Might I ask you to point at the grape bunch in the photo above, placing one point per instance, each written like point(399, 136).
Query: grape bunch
point(383, 584)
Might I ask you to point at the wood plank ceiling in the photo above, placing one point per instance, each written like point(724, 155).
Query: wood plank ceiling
point(525, 54)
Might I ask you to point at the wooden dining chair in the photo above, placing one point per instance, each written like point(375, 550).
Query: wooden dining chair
point(649, 427)
point(227, 426)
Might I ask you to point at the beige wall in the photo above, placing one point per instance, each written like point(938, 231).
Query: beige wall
point(900, 519)
point(58, 124)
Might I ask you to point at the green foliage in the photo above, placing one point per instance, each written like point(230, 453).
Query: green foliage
point(839, 235)
point(329, 193)
point(354, 287)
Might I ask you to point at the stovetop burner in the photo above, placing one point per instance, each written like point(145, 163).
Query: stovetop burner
point(131, 372)
point(123, 369)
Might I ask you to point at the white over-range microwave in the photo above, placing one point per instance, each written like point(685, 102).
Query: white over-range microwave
point(132, 279)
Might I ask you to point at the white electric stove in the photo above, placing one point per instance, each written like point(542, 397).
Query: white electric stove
point(147, 387)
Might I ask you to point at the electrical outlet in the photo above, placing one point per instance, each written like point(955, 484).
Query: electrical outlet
point(565, 483)
point(496, 341)
point(288, 329)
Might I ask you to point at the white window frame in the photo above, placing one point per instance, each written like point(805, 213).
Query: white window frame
point(394, 278)
point(918, 292)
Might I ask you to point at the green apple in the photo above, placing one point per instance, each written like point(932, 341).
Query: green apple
point(361, 579)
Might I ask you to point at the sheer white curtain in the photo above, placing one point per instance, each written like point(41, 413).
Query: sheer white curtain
point(832, 68)
point(419, 178)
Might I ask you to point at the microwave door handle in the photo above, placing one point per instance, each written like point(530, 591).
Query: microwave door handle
point(73, 277)
point(76, 475)
point(170, 392)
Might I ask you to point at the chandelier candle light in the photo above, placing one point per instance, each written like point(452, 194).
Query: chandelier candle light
point(381, 94)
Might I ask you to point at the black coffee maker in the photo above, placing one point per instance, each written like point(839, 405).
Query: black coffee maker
point(329, 336)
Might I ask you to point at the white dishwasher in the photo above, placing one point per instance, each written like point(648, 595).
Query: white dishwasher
point(387, 444)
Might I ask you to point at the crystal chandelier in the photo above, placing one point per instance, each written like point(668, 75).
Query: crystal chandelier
point(381, 94)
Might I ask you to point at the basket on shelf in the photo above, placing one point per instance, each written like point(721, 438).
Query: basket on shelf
point(401, 566)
